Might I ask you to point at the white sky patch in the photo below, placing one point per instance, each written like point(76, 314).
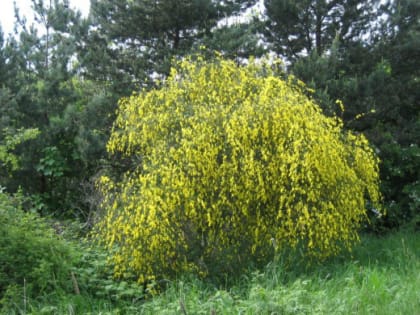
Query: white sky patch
point(7, 15)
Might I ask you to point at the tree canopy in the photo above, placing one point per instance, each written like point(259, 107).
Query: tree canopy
point(64, 74)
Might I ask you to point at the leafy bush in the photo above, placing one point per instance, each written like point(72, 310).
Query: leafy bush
point(95, 277)
point(9, 141)
point(33, 259)
point(229, 163)
point(400, 173)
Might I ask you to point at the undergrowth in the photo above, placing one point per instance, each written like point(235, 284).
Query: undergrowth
point(379, 277)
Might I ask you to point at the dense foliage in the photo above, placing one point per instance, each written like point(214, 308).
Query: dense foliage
point(64, 74)
point(33, 260)
point(298, 28)
point(381, 97)
point(61, 77)
point(220, 177)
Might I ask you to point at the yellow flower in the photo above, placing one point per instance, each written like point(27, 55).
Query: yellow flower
point(228, 157)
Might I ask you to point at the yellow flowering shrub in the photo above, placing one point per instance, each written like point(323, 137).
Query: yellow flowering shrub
point(231, 160)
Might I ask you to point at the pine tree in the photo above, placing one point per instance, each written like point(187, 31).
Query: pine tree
point(44, 91)
point(297, 28)
point(137, 40)
point(377, 79)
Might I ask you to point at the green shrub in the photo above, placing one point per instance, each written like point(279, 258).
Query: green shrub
point(400, 173)
point(9, 140)
point(33, 259)
point(232, 163)
point(95, 277)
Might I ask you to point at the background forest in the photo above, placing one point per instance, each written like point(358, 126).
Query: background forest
point(60, 82)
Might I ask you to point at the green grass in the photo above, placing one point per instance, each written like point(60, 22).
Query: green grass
point(382, 276)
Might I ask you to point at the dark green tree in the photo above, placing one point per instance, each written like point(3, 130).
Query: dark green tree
point(398, 130)
point(377, 80)
point(64, 75)
point(132, 42)
point(297, 28)
point(43, 89)
point(235, 41)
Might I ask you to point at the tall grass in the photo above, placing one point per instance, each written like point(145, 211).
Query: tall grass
point(381, 277)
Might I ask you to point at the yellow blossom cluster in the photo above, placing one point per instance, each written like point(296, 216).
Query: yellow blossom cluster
point(231, 160)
